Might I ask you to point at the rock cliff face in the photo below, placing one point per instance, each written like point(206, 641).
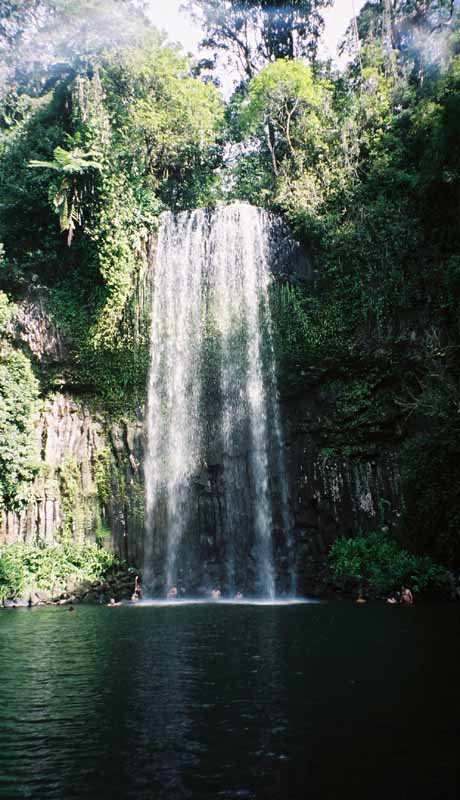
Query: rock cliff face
point(68, 440)
point(328, 497)
point(90, 483)
point(33, 328)
point(332, 495)
point(89, 480)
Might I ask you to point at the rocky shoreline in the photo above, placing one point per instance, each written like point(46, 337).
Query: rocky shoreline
point(117, 583)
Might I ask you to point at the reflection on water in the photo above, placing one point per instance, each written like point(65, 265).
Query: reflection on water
point(229, 700)
point(189, 601)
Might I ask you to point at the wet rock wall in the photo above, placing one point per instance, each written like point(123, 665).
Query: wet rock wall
point(90, 482)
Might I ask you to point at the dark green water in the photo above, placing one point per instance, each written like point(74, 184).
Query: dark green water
point(218, 701)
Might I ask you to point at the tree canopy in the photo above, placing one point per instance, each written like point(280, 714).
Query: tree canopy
point(43, 40)
point(286, 106)
point(252, 33)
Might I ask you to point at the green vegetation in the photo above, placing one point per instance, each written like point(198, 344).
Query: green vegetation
point(366, 167)
point(376, 563)
point(51, 568)
point(104, 126)
point(18, 457)
point(18, 401)
point(307, 335)
point(86, 167)
point(252, 33)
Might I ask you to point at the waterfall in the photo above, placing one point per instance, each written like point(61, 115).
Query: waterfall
point(214, 455)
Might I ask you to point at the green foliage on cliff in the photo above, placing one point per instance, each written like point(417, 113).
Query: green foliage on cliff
point(376, 562)
point(51, 568)
point(85, 172)
point(18, 401)
point(18, 455)
point(364, 164)
point(431, 472)
point(307, 333)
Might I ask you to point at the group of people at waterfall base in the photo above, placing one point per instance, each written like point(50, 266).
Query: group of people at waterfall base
point(405, 597)
point(172, 594)
point(136, 595)
point(215, 594)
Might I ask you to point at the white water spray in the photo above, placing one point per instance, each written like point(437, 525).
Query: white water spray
point(211, 330)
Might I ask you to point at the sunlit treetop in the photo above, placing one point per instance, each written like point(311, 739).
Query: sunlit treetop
point(285, 107)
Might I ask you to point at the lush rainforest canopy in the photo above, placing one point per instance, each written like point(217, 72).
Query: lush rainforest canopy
point(103, 125)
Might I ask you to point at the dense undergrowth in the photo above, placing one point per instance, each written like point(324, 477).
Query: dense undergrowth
point(377, 565)
point(19, 392)
point(51, 568)
point(365, 165)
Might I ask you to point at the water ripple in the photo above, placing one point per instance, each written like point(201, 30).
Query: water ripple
point(212, 700)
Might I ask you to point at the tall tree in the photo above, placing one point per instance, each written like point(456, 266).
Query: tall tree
point(285, 106)
point(252, 33)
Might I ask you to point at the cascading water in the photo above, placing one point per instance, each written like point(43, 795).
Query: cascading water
point(214, 433)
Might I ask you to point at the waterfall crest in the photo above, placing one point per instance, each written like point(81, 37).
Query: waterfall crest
point(214, 457)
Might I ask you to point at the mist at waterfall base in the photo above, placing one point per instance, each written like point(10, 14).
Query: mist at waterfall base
point(219, 702)
point(217, 500)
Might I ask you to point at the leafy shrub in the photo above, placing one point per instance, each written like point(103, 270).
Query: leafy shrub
point(306, 333)
point(432, 461)
point(18, 456)
point(51, 568)
point(13, 574)
point(6, 308)
point(378, 563)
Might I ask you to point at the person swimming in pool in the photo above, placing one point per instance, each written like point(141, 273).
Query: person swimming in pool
point(392, 599)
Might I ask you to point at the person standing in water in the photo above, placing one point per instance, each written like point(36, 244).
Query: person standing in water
point(407, 597)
